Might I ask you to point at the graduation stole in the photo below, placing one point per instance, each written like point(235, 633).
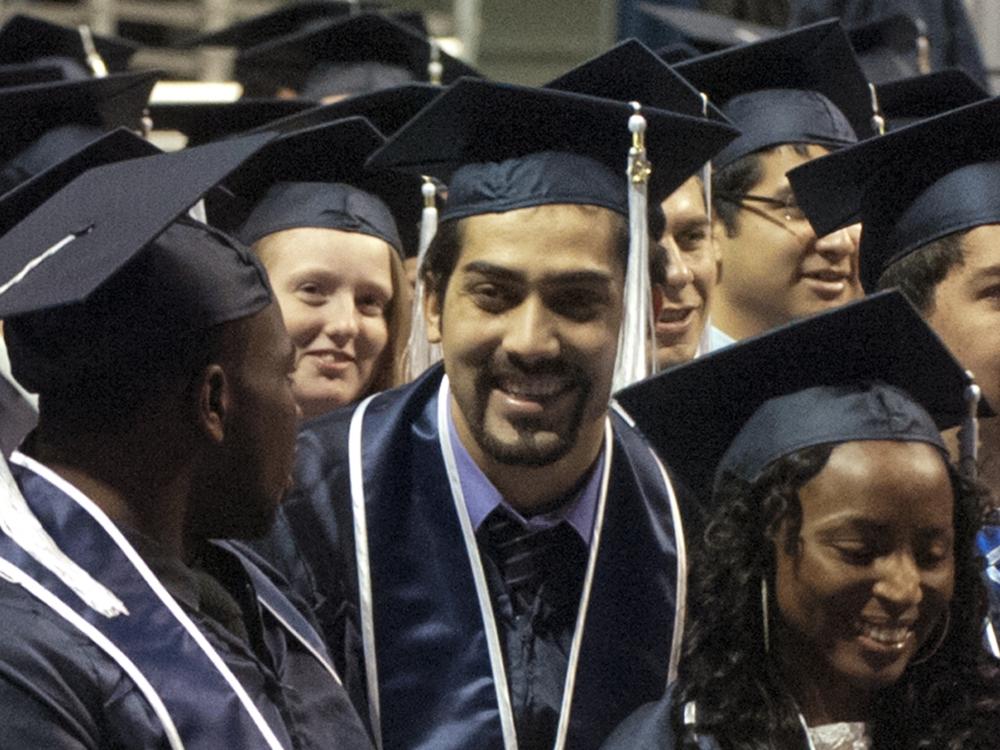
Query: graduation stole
point(97, 582)
point(433, 663)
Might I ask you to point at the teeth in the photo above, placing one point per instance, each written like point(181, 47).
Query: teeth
point(894, 637)
point(539, 387)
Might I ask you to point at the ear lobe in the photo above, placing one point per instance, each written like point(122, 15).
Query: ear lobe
point(432, 315)
point(214, 402)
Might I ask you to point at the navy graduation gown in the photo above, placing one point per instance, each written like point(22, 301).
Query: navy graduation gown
point(434, 684)
point(151, 674)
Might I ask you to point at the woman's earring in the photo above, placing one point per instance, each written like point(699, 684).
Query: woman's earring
point(920, 658)
point(766, 614)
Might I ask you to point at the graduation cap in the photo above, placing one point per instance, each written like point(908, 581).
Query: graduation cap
point(118, 145)
point(388, 110)
point(908, 100)
point(870, 370)
point(203, 122)
point(27, 39)
point(891, 47)
point(360, 53)
point(26, 74)
point(283, 21)
point(317, 178)
point(803, 86)
point(706, 32)
point(76, 265)
point(677, 52)
point(630, 71)
point(501, 146)
point(44, 123)
point(909, 187)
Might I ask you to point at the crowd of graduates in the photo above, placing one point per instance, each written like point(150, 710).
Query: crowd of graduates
point(651, 407)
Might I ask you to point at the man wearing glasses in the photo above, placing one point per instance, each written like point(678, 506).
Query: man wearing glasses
point(795, 97)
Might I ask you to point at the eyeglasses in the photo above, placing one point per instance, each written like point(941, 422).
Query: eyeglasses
point(788, 206)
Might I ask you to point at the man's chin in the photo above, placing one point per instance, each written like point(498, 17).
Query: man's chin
point(525, 448)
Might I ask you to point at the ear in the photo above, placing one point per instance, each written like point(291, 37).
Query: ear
point(432, 315)
point(214, 402)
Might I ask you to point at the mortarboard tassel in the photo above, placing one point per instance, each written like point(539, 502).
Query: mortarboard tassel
point(878, 119)
point(635, 360)
point(94, 60)
point(420, 353)
point(706, 171)
point(20, 524)
point(923, 47)
point(435, 69)
point(968, 433)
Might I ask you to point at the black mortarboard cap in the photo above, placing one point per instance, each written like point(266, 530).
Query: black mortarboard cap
point(500, 147)
point(70, 113)
point(203, 122)
point(324, 52)
point(96, 257)
point(27, 74)
point(908, 100)
point(870, 370)
point(108, 221)
point(708, 32)
point(804, 86)
point(630, 71)
point(887, 47)
point(677, 52)
point(26, 39)
point(317, 178)
point(909, 187)
point(118, 145)
point(388, 110)
point(285, 20)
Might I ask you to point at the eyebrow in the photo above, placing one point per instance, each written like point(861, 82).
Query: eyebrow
point(987, 271)
point(569, 277)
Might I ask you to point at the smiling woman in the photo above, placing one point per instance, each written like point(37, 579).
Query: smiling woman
point(343, 300)
point(836, 601)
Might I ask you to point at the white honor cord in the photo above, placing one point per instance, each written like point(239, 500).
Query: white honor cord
point(680, 613)
point(154, 583)
point(991, 638)
point(357, 475)
point(809, 739)
point(305, 643)
point(483, 593)
point(17, 576)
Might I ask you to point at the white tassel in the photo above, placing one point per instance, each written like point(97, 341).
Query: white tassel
point(420, 353)
point(435, 69)
point(20, 524)
point(968, 433)
point(635, 342)
point(94, 59)
point(706, 171)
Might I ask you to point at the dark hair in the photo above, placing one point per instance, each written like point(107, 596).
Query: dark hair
point(918, 274)
point(950, 701)
point(442, 253)
point(733, 182)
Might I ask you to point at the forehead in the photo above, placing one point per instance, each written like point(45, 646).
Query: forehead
point(777, 162)
point(885, 482)
point(688, 198)
point(980, 250)
point(544, 241)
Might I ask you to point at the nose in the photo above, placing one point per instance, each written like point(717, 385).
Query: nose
point(898, 583)
point(837, 246)
point(531, 334)
point(678, 272)
point(341, 317)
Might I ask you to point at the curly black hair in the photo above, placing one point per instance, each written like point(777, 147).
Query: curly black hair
point(950, 701)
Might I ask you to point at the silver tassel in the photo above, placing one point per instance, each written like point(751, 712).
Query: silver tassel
point(420, 353)
point(94, 60)
point(968, 433)
point(635, 350)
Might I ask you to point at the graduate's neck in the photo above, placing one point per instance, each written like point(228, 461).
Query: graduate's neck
point(536, 489)
point(138, 482)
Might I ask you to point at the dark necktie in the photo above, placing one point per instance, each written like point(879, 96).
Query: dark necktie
point(546, 565)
